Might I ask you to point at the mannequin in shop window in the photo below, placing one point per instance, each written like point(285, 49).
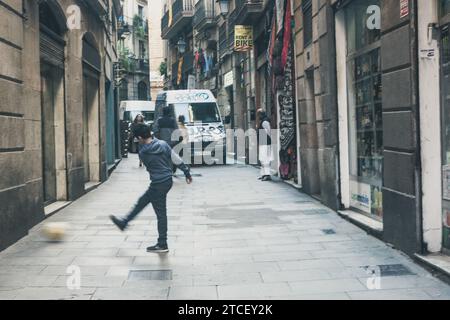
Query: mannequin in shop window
point(265, 145)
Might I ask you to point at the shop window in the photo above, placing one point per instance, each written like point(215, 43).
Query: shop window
point(307, 22)
point(445, 83)
point(365, 106)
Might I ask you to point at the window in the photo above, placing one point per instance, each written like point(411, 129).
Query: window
point(142, 50)
point(123, 91)
point(142, 91)
point(141, 11)
point(444, 7)
point(307, 22)
point(365, 105)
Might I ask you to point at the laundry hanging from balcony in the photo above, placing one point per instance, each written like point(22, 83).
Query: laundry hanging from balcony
point(204, 62)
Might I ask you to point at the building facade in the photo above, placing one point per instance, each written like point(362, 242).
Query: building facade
point(134, 51)
point(177, 31)
point(56, 84)
point(156, 48)
point(359, 92)
point(371, 83)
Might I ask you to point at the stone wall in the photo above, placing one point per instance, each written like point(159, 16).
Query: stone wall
point(21, 167)
point(317, 107)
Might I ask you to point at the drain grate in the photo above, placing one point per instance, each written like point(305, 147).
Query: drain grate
point(391, 270)
point(150, 275)
point(328, 231)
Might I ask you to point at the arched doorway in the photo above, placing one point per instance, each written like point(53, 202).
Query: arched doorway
point(52, 45)
point(142, 91)
point(91, 109)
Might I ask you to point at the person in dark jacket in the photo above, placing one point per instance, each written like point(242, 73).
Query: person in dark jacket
point(134, 140)
point(165, 126)
point(158, 158)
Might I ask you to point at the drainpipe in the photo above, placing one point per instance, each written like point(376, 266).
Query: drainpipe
point(418, 165)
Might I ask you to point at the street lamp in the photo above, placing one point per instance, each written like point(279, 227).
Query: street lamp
point(224, 7)
point(181, 45)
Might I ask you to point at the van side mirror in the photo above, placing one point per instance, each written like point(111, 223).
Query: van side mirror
point(227, 119)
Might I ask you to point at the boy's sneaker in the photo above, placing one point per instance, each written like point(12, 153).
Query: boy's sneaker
point(120, 223)
point(158, 248)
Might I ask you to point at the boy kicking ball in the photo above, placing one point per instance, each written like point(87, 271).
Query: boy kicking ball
point(157, 158)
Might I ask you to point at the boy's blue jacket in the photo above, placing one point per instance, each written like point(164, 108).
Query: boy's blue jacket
point(157, 157)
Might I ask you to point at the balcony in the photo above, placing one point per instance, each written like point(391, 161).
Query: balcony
point(182, 15)
point(248, 11)
point(226, 36)
point(204, 16)
point(142, 66)
point(100, 7)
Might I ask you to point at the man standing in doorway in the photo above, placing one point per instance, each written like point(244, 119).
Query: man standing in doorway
point(265, 145)
point(158, 157)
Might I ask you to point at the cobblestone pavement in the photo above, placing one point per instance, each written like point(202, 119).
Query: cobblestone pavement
point(231, 237)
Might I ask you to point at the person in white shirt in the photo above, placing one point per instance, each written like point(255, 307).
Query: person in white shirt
point(265, 145)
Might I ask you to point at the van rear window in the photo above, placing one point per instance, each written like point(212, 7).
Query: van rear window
point(131, 115)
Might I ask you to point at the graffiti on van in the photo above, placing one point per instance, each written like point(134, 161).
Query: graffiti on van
point(192, 97)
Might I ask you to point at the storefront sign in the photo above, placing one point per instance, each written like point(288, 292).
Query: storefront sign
point(404, 8)
point(228, 79)
point(427, 53)
point(243, 38)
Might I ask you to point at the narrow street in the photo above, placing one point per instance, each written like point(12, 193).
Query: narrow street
point(230, 237)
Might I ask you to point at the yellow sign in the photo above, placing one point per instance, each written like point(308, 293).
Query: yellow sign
point(243, 38)
point(180, 70)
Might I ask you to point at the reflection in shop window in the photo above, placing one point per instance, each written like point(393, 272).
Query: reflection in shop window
point(365, 106)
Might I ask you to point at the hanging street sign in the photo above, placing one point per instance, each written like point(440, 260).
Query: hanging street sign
point(243, 38)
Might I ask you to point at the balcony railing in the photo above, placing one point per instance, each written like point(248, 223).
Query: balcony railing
point(182, 13)
point(204, 14)
point(248, 10)
point(143, 66)
point(223, 39)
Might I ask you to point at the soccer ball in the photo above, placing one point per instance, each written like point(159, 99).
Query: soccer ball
point(55, 231)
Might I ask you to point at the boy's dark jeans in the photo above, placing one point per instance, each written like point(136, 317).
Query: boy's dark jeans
point(157, 196)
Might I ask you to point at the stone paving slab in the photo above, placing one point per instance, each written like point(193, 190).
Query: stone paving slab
point(231, 237)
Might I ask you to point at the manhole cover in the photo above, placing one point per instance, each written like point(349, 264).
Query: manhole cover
point(328, 231)
point(150, 275)
point(390, 270)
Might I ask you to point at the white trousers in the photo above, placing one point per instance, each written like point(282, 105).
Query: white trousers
point(266, 158)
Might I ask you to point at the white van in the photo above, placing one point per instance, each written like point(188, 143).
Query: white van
point(203, 119)
point(129, 109)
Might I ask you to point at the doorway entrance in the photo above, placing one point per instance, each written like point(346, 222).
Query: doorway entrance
point(52, 45)
point(91, 109)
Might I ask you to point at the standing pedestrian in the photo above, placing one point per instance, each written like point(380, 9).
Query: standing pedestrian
point(139, 119)
point(165, 126)
point(265, 145)
point(183, 130)
point(184, 134)
point(157, 157)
